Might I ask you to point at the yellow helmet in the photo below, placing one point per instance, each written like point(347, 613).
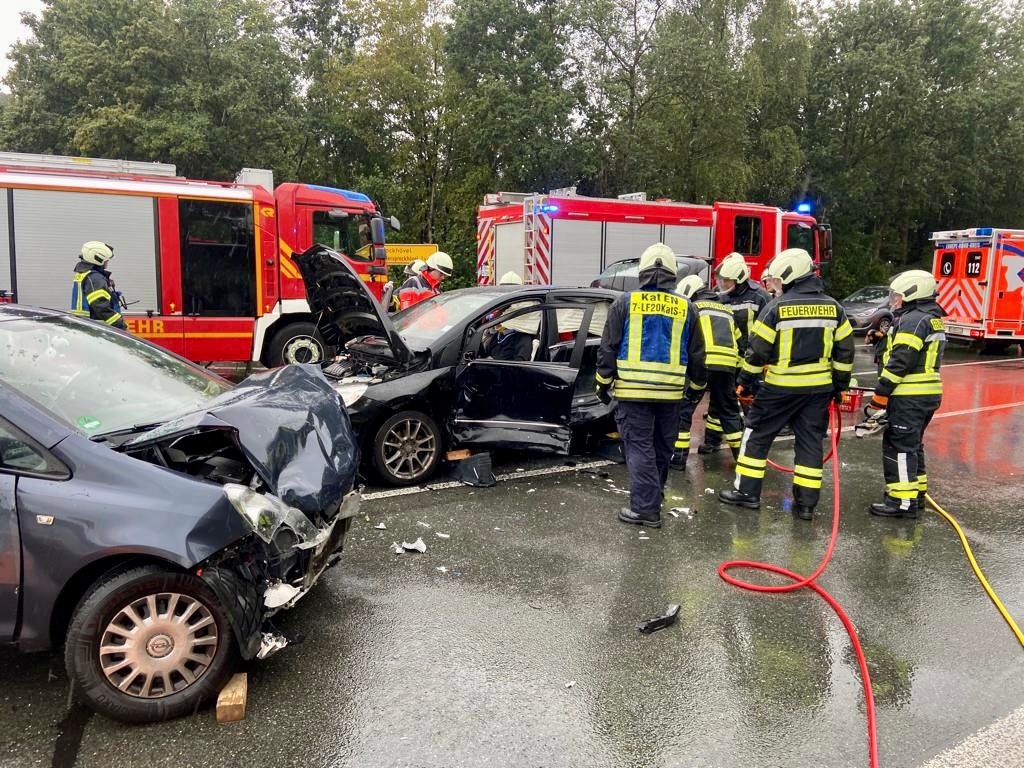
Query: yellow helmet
point(913, 284)
point(442, 262)
point(658, 255)
point(97, 252)
point(791, 265)
point(733, 267)
point(690, 285)
point(510, 278)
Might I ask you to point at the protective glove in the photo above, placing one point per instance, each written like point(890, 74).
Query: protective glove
point(694, 395)
point(604, 393)
point(745, 395)
point(874, 336)
point(875, 404)
point(837, 393)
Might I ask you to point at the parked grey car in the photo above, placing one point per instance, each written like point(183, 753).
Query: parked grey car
point(868, 308)
point(152, 516)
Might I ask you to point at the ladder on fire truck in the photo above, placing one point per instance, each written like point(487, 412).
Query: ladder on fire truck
point(531, 225)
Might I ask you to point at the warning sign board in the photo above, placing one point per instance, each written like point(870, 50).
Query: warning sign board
point(406, 253)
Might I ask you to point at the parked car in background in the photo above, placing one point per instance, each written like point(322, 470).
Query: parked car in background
point(868, 308)
point(625, 275)
point(152, 516)
point(490, 367)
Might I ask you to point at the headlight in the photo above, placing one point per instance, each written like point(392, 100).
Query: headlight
point(266, 513)
point(351, 392)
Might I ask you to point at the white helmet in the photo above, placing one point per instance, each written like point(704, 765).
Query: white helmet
point(690, 285)
point(660, 256)
point(791, 265)
point(913, 284)
point(415, 267)
point(96, 252)
point(442, 262)
point(733, 267)
point(510, 278)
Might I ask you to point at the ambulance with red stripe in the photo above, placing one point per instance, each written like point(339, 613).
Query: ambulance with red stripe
point(980, 276)
point(567, 239)
point(206, 267)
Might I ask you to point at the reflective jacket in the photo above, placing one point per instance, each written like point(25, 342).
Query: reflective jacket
point(416, 289)
point(93, 297)
point(802, 341)
point(718, 332)
point(649, 346)
point(913, 351)
point(746, 301)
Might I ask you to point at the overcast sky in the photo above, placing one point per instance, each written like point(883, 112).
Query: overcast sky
point(11, 29)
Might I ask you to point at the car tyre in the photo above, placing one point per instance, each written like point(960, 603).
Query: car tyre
point(296, 343)
point(182, 656)
point(407, 448)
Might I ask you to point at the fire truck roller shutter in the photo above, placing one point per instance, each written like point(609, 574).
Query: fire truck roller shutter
point(688, 240)
point(575, 252)
point(6, 281)
point(628, 241)
point(508, 248)
point(50, 227)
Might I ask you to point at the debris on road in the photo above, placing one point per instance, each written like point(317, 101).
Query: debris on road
point(442, 535)
point(420, 522)
point(476, 471)
point(570, 684)
point(397, 548)
point(442, 569)
point(416, 546)
point(673, 512)
point(381, 527)
point(677, 511)
point(659, 622)
point(232, 698)
point(708, 490)
point(532, 490)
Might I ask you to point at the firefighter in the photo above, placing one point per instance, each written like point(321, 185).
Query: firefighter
point(804, 344)
point(92, 291)
point(746, 299)
point(649, 350)
point(718, 333)
point(909, 389)
point(510, 278)
point(427, 283)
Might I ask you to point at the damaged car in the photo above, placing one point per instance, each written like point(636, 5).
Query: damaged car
point(153, 517)
point(495, 367)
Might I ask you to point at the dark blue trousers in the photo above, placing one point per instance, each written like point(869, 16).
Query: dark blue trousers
point(648, 430)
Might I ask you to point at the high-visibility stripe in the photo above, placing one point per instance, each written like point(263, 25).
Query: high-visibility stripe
point(802, 380)
point(636, 324)
point(843, 330)
point(842, 366)
point(99, 293)
point(918, 389)
point(113, 318)
point(676, 379)
point(639, 393)
point(733, 439)
point(754, 369)
point(602, 379)
point(785, 350)
point(765, 332)
point(909, 339)
point(922, 483)
point(711, 426)
point(748, 472)
point(890, 376)
point(809, 471)
point(80, 312)
point(806, 482)
point(676, 345)
point(683, 441)
point(725, 361)
point(806, 323)
point(645, 365)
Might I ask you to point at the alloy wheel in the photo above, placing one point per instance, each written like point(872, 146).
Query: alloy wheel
point(409, 449)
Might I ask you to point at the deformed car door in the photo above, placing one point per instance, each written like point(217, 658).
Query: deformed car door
point(515, 403)
point(10, 560)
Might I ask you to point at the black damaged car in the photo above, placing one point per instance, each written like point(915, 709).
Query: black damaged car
point(153, 517)
point(491, 367)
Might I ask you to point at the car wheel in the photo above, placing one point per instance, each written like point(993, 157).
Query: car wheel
point(149, 644)
point(407, 448)
point(884, 324)
point(296, 343)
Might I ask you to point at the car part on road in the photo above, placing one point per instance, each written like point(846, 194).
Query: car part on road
point(417, 546)
point(871, 425)
point(149, 644)
point(407, 448)
point(476, 471)
point(667, 619)
point(799, 582)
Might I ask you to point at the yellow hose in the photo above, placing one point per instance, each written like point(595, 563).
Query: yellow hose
point(977, 570)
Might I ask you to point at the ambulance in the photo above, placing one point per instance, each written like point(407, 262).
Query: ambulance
point(980, 276)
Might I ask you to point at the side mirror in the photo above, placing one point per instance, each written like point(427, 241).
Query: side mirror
point(396, 224)
point(377, 230)
point(336, 214)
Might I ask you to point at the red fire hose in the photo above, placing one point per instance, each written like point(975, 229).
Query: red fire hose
point(799, 582)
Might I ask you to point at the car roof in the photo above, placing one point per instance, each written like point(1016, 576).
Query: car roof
point(20, 312)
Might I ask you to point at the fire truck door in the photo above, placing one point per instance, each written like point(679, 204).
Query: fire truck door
point(1007, 278)
point(749, 231)
point(348, 233)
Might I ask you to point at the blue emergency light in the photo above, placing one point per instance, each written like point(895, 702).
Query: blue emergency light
point(803, 207)
point(549, 208)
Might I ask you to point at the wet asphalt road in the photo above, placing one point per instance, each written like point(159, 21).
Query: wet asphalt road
point(406, 665)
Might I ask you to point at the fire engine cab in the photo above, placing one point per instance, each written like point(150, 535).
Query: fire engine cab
point(205, 267)
point(569, 239)
point(980, 276)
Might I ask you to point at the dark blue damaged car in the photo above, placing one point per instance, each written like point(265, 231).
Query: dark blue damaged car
point(153, 518)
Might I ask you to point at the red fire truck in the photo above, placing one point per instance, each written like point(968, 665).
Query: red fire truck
point(205, 266)
point(564, 238)
point(980, 275)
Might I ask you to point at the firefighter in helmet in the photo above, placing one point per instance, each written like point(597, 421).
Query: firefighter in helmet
point(92, 291)
point(719, 334)
point(650, 352)
point(427, 283)
point(803, 343)
point(510, 278)
point(746, 299)
point(909, 390)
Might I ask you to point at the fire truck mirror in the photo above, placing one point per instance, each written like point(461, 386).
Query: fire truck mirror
point(396, 224)
point(377, 230)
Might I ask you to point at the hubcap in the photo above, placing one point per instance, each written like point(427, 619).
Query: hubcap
point(303, 349)
point(158, 645)
point(409, 449)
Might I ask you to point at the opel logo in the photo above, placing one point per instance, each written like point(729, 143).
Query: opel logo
point(159, 646)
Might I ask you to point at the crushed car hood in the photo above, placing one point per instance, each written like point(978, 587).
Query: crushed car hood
point(344, 306)
point(290, 425)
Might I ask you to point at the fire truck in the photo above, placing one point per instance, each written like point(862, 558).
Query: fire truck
point(980, 276)
point(205, 267)
point(569, 239)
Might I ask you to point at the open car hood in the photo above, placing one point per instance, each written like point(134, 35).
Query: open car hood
point(290, 425)
point(344, 306)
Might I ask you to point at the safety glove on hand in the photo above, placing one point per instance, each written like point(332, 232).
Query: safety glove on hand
point(876, 404)
point(745, 394)
point(604, 393)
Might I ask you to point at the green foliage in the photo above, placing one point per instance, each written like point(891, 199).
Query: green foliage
point(896, 117)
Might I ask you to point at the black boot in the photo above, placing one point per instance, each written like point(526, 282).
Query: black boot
point(706, 449)
point(627, 515)
point(803, 511)
point(891, 508)
point(678, 460)
point(739, 499)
